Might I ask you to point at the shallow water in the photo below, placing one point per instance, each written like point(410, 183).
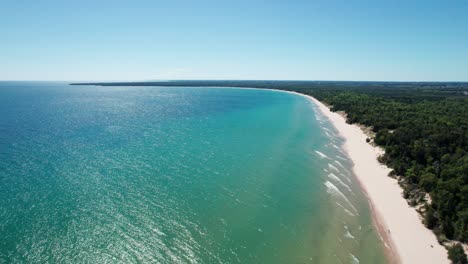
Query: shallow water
point(175, 175)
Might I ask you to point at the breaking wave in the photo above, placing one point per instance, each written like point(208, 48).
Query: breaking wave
point(321, 154)
point(332, 189)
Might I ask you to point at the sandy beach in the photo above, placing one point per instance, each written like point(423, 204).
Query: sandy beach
point(401, 228)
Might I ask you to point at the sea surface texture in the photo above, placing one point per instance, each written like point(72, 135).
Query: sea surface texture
point(175, 175)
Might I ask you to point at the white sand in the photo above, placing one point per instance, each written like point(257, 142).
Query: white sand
point(399, 223)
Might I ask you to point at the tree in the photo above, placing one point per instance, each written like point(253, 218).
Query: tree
point(428, 181)
point(429, 218)
point(457, 255)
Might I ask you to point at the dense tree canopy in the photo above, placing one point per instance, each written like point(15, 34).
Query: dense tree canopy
point(425, 141)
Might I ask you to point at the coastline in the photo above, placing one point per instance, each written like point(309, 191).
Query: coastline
point(405, 237)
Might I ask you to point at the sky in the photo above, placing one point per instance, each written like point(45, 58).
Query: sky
point(255, 40)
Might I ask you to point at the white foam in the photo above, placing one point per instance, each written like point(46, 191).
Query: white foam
point(332, 189)
point(354, 259)
point(343, 167)
point(337, 179)
point(321, 154)
point(346, 177)
point(346, 210)
point(341, 158)
point(348, 234)
point(335, 146)
point(333, 167)
point(339, 163)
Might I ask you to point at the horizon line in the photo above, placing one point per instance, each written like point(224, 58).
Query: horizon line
point(272, 80)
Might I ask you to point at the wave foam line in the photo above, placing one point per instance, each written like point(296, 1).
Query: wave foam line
point(339, 164)
point(348, 234)
point(346, 177)
point(321, 154)
point(346, 210)
point(343, 167)
point(333, 167)
point(329, 135)
point(337, 179)
point(332, 189)
point(354, 259)
point(341, 158)
point(335, 146)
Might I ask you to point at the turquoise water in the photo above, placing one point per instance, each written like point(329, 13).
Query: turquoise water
point(174, 175)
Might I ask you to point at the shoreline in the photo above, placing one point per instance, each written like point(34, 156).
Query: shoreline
point(406, 239)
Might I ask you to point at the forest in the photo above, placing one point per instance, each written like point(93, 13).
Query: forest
point(424, 133)
point(421, 125)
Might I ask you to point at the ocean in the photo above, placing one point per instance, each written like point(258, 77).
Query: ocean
point(175, 175)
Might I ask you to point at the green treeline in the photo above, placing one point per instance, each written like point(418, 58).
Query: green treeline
point(422, 127)
point(425, 141)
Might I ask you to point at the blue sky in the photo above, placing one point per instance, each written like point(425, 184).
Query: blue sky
point(285, 40)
